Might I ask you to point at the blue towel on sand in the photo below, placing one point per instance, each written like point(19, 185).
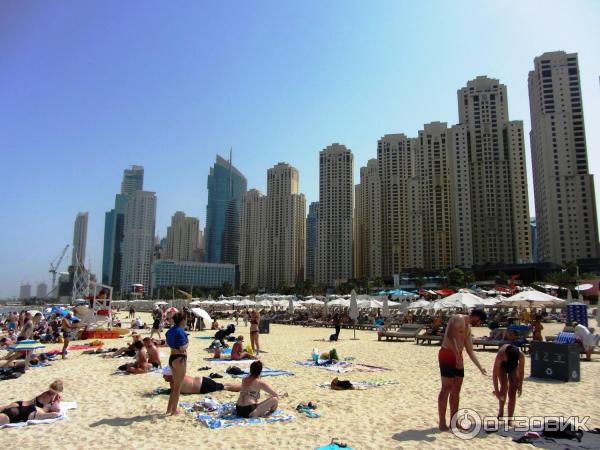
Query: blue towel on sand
point(225, 416)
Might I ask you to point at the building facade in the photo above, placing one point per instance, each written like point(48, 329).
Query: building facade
point(312, 233)
point(114, 224)
point(138, 242)
point(182, 241)
point(367, 223)
point(565, 202)
point(25, 291)
point(498, 184)
point(285, 227)
point(41, 290)
point(189, 273)
point(226, 185)
point(79, 239)
point(336, 208)
point(253, 241)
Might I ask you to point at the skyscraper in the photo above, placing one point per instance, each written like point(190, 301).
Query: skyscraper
point(138, 242)
point(336, 208)
point(367, 223)
point(41, 290)
point(182, 242)
point(253, 240)
point(565, 202)
point(285, 227)
point(394, 162)
point(226, 186)
point(25, 291)
point(312, 231)
point(114, 222)
point(79, 239)
point(497, 176)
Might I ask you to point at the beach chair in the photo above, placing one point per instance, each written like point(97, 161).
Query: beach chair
point(405, 332)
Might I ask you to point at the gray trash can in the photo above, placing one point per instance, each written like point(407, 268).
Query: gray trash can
point(555, 361)
point(263, 326)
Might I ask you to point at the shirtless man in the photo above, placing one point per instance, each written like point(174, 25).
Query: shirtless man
point(456, 338)
point(67, 327)
point(153, 355)
point(141, 364)
point(199, 385)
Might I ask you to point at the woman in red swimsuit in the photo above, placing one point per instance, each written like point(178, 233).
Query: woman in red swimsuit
point(254, 320)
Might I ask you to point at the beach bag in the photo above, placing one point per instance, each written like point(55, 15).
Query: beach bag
point(333, 355)
point(333, 337)
point(234, 370)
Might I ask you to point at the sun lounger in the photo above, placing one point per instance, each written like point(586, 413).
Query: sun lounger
point(405, 332)
point(429, 338)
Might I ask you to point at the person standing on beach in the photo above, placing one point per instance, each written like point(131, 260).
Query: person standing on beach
point(508, 374)
point(254, 321)
point(156, 324)
point(456, 339)
point(177, 340)
point(67, 328)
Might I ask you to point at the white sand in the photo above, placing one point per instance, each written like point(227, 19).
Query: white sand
point(114, 413)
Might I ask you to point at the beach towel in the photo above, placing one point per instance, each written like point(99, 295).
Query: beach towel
point(333, 447)
point(153, 370)
point(369, 368)
point(229, 361)
point(589, 441)
point(364, 384)
point(224, 351)
point(64, 407)
point(565, 338)
point(84, 347)
point(266, 373)
point(204, 337)
point(224, 416)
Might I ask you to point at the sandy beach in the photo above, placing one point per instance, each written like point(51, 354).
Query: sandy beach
point(116, 411)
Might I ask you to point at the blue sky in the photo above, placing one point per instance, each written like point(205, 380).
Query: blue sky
point(88, 88)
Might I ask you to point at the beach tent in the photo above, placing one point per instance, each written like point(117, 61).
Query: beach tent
point(385, 310)
point(532, 299)
point(199, 312)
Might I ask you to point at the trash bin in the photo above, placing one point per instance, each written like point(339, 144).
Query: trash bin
point(555, 361)
point(263, 326)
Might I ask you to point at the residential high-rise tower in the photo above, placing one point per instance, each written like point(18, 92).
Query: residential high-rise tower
point(79, 239)
point(312, 232)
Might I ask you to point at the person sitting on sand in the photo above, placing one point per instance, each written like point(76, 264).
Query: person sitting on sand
point(129, 350)
point(237, 351)
point(199, 385)
point(141, 364)
point(247, 404)
point(509, 371)
point(153, 354)
point(44, 406)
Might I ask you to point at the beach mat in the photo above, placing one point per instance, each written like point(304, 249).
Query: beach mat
point(229, 361)
point(589, 441)
point(225, 416)
point(85, 347)
point(64, 407)
point(266, 373)
point(364, 384)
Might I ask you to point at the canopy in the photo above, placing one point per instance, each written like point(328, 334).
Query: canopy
point(199, 312)
point(584, 287)
point(445, 291)
point(533, 299)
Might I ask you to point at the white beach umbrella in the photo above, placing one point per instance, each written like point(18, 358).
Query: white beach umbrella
point(290, 309)
point(569, 296)
point(491, 301)
point(246, 302)
point(338, 302)
point(199, 312)
point(160, 303)
point(266, 303)
point(385, 310)
point(353, 313)
point(313, 301)
point(419, 304)
point(369, 304)
point(394, 305)
point(532, 299)
point(195, 303)
point(461, 300)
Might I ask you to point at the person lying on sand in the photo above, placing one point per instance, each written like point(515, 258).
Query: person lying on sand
point(34, 361)
point(199, 385)
point(44, 406)
point(237, 351)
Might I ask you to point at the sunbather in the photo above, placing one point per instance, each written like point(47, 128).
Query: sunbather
point(141, 364)
point(247, 404)
point(129, 350)
point(199, 385)
point(237, 351)
point(34, 361)
point(153, 354)
point(44, 406)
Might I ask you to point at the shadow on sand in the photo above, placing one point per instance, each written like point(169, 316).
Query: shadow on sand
point(125, 421)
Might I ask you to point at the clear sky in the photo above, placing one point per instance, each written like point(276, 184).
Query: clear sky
point(90, 87)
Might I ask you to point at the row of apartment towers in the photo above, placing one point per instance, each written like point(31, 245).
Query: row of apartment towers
point(451, 196)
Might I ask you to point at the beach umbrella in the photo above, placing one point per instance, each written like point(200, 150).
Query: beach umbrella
point(160, 303)
point(353, 310)
point(385, 310)
point(290, 308)
point(532, 299)
point(246, 302)
point(33, 312)
point(199, 312)
point(420, 304)
point(266, 303)
point(312, 301)
point(569, 296)
point(172, 309)
point(195, 303)
point(491, 301)
point(584, 287)
point(464, 299)
point(394, 305)
point(369, 304)
point(338, 302)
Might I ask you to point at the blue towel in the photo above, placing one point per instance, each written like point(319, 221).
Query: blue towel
point(565, 338)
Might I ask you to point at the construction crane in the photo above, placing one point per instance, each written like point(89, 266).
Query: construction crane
point(54, 265)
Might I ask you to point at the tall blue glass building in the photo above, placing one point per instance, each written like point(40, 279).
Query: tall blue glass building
point(226, 186)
